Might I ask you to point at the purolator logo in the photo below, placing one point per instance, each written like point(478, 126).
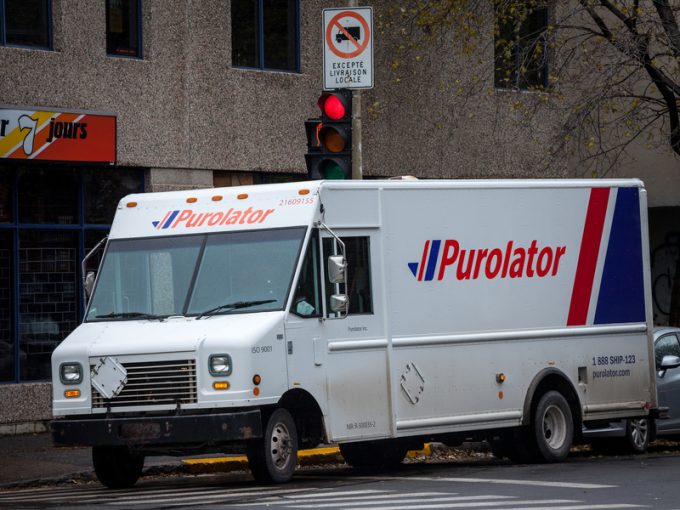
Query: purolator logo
point(189, 219)
point(469, 264)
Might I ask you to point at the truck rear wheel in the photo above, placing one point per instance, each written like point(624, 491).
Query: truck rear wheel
point(273, 458)
point(116, 467)
point(552, 427)
point(376, 454)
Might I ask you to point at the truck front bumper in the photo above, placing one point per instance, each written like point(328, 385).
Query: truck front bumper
point(158, 430)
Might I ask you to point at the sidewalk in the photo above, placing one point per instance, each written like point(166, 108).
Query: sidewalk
point(31, 459)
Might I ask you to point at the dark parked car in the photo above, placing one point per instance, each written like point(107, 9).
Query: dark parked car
point(635, 434)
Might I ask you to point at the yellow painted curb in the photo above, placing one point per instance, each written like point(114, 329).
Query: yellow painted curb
point(305, 457)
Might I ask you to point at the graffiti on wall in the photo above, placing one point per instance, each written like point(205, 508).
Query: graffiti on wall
point(664, 262)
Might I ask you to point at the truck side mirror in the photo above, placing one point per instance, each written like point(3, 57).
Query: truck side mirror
point(89, 283)
point(339, 303)
point(337, 265)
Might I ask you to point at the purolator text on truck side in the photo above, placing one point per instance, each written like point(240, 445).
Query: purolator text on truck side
point(374, 314)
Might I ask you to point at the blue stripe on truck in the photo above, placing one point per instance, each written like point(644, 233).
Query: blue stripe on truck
point(622, 297)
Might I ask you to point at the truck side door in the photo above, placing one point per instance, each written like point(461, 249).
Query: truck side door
point(357, 347)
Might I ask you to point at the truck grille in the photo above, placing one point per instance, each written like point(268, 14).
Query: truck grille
point(154, 383)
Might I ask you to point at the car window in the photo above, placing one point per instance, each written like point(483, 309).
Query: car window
point(665, 346)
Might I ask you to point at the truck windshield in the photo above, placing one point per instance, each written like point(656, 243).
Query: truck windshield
point(154, 278)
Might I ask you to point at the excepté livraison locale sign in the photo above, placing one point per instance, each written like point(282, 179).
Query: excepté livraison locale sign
point(348, 48)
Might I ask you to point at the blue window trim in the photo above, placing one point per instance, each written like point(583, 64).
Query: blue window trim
point(140, 38)
point(3, 30)
point(260, 40)
point(15, 228)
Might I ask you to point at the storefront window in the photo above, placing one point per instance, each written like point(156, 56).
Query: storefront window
point(7, 355)
point(63, 213)
point(5, 197)
point(48, 299)
point(48, 196)
point(103, 194)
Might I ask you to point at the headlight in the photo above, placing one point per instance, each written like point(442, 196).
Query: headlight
point(219, 365)
point(71, 373)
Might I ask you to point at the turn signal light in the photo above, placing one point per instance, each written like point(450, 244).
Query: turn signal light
point(500, 377)
point(72, 393)
point(221, 385)
point(257, 379)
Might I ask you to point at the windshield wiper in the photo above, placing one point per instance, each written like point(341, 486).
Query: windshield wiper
point(129, 315)
point(233, 306)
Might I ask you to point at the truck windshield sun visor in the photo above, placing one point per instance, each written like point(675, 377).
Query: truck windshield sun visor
point(155, 278)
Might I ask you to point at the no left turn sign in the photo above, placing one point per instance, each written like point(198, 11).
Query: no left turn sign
point(348, 48)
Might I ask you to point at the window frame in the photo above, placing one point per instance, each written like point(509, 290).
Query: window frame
point(515, 84)
point(140, 40)
point(3, 29)
point(297, 69)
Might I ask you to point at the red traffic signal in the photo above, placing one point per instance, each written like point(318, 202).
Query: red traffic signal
point(335, 105)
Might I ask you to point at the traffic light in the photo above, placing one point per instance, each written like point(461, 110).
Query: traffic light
point(329, 138)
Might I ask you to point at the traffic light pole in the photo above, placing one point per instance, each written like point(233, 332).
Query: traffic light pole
point(357, 168)
point(357, 160)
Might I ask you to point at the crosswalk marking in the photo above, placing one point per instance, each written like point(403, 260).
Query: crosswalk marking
point(535, 483)
point(321, 497)
point(87, 495)
point(304, 498)
point(572, 507)
point(424, 505)
point(455, 502)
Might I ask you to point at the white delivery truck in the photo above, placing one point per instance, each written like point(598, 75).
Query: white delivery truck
point(374, 314)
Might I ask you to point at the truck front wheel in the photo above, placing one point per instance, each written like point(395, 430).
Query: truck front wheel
point(552, 427)
point(116, 467)
point(273, 458)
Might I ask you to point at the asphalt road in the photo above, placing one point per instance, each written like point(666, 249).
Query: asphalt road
point(475, 481)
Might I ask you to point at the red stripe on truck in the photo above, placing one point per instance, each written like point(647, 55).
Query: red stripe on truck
point(587, 258)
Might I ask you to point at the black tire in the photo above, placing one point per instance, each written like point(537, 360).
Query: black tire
point(638, 432)
point(374, 454)
point(116, 467)
point(273, 458)
point(552, 428)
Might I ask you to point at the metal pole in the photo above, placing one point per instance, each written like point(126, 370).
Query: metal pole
point(357, 159)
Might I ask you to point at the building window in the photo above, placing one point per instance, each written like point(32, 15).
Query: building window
point(124, 28)
point(521, 47)
point(265, 34)
point(26, 23)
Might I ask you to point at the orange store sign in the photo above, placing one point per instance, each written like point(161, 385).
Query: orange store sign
point(57, 136)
